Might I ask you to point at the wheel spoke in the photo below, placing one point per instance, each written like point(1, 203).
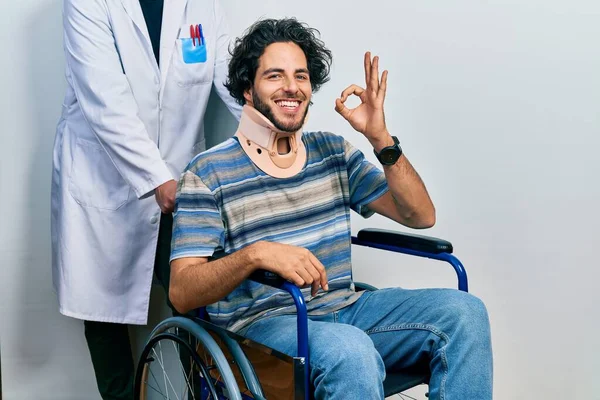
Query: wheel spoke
point(197, 378)
point(156, 390)
point(155, 380)
point(405, 396)
point(165, 375)
point(208, 363)
point(160, 361)
point(185, 374)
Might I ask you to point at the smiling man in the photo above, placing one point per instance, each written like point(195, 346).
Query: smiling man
point(292, 100)
point(278, 199)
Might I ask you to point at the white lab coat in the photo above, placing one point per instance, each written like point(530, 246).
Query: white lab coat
point(126, 127)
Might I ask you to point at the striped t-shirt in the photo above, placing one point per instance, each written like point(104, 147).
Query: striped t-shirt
point(225, 203)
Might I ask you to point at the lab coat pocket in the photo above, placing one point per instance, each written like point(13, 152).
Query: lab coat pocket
point(193, 53)
point(94, 180)
point(192, 65)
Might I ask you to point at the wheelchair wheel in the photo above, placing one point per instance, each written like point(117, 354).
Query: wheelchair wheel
point(171, 367)
point(417, 393)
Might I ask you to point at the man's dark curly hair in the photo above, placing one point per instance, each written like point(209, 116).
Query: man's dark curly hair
point(248, 49)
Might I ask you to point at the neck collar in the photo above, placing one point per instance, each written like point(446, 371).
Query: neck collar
point(259, 138)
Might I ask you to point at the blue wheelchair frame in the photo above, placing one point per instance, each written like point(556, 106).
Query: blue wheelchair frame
point(414, 245)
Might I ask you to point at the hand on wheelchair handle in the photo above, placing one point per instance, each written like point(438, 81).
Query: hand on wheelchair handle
point(294, 264)
point(165, 196)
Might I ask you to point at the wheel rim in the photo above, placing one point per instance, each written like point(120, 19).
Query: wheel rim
point(163, 375)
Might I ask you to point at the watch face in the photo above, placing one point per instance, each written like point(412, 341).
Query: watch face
point(389, 156)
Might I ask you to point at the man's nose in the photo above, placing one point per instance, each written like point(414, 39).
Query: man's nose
point(290, 86)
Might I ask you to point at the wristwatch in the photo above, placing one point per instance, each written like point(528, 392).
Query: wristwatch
point(390, 154)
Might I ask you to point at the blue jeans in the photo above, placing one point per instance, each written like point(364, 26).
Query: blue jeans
point(445, 331)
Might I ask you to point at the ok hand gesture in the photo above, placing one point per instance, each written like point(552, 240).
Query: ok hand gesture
point(368, 118)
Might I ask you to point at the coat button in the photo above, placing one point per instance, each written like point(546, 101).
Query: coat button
point(154, 220)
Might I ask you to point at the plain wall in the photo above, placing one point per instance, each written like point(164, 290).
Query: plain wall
point(496, 104)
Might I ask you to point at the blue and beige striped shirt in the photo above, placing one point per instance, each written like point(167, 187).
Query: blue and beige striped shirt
point(225, 203)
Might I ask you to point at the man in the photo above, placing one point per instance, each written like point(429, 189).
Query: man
point(139, 75)
point(277, 199)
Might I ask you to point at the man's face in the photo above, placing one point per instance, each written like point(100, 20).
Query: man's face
point(281, 90)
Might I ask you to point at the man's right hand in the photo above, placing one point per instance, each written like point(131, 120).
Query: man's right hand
point(165, 196)
point(294, 264)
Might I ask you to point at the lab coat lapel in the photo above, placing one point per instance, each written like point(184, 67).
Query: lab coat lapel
point(134, 10)
point(171, 23)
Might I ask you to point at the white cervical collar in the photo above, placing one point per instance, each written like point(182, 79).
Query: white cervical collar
point(258, 137)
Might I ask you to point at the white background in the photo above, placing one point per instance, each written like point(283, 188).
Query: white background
point(496, 103)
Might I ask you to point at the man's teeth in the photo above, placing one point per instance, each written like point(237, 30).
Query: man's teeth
point(287, 103)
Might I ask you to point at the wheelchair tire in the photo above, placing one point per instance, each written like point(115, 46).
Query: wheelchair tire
point(161, 372)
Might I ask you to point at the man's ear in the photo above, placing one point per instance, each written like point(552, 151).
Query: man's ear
point(248, 96)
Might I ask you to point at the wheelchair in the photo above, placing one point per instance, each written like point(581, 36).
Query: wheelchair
point(187, 357)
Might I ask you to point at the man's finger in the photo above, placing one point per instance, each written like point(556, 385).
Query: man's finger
point(321, 269)
point(305, 275)
point(374, 75)
point(315, 288)
point(167, 206)
point(352, 89)
point(382, 87)
point(342, 109)
point(367, 62)
point(313, 271)
point(296, 279)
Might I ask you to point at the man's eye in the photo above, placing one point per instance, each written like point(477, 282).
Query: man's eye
point(275, 76)
point(302, 77)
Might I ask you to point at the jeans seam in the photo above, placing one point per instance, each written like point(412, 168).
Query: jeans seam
point(325, 387)
point(406, 326)
point(445, 366)
point(423, 327)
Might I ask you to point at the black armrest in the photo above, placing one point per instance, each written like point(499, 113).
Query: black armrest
point(267, 278)
point(405, 240)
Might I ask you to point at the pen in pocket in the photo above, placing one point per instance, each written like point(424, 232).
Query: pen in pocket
point(196, 33)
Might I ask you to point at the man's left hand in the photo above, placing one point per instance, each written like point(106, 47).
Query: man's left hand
point(368, 118)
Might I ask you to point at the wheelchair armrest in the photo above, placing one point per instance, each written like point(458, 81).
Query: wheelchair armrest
point(267, 278)
point(405, 240)
point(415, 245)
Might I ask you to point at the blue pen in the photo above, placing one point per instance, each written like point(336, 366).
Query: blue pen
point(201, 38)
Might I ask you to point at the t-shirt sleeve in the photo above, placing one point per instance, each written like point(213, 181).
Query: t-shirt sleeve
point(198, 229)
point(367, 182)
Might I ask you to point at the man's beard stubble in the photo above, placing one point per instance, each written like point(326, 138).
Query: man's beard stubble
point(265, 110)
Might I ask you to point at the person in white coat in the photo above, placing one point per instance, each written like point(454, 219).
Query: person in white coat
point(139, 75)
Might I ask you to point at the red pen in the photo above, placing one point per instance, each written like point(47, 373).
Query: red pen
point(198, 36)
point(193, 34)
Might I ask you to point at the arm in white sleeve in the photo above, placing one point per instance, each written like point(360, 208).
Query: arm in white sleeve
point(105, 97)
point(222, 62)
